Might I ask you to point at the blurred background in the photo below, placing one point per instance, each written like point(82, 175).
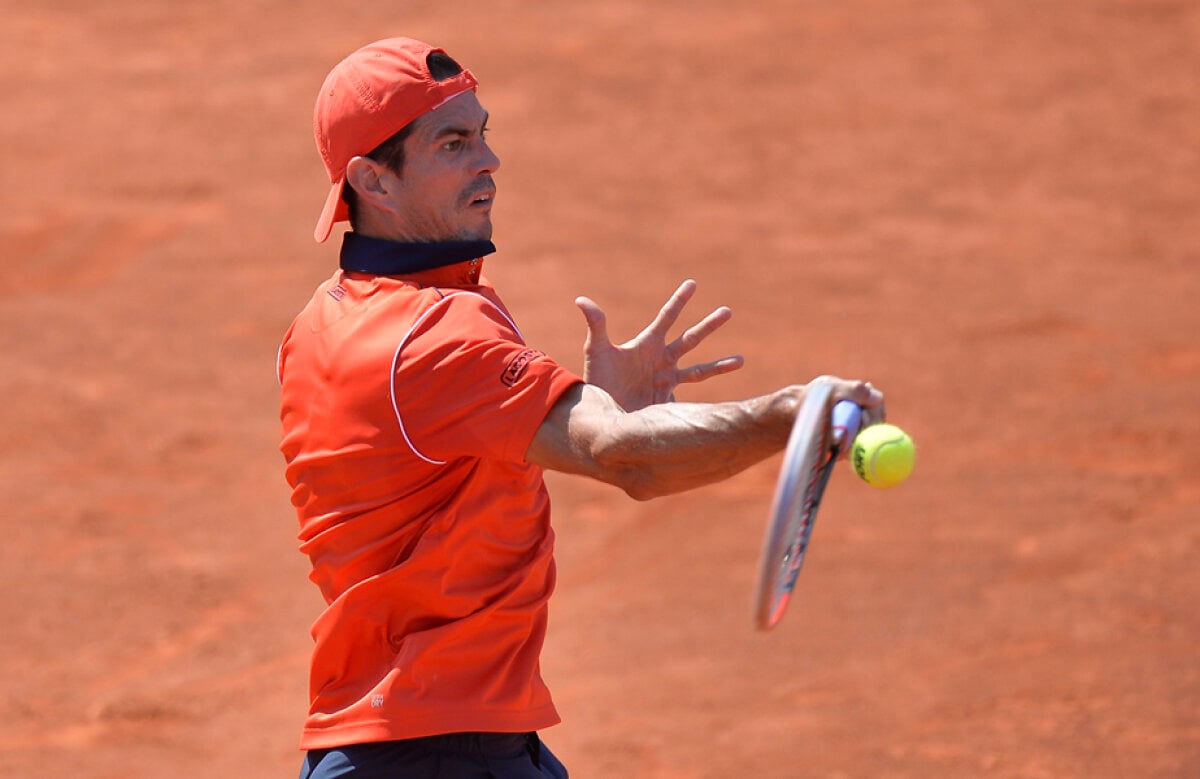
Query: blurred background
point(990, 209)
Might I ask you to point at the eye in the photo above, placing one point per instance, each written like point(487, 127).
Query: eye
point(453, 145)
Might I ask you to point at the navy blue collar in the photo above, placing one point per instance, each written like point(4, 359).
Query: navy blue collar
point(365, 254)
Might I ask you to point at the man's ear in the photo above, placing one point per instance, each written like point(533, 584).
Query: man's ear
point(369, 180)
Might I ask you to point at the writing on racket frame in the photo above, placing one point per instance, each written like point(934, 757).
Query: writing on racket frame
point(817, 437)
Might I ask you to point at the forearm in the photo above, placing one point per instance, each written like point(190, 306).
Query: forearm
point(665, 448)
point(672, 447)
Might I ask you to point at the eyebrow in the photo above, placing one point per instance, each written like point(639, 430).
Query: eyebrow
point(459, 129)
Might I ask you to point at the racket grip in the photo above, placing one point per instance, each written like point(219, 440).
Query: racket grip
point(846, 418)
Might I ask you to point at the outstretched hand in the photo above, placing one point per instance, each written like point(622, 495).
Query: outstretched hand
point(645, 370)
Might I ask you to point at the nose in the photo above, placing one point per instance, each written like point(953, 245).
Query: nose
point(488, 162)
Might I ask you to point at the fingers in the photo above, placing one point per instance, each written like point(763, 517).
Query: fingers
point(666, 318)
point(692, 337)
point(878, 412)
point(699, 373)
point(864, 393)
point(597, 322)
point(669, 313)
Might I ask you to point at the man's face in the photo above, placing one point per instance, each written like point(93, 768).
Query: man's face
point(445, 191)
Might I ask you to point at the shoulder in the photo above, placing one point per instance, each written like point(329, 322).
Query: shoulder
point(476, 310)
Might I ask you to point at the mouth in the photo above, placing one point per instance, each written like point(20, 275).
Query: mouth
point(484, 194)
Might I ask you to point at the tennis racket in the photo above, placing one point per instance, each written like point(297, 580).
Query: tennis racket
point(816, 439)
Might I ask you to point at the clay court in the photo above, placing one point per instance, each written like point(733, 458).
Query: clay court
point(991, 209)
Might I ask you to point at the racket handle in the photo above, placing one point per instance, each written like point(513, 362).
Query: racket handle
point(846, 418)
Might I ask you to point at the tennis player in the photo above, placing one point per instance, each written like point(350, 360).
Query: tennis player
point(416, 426)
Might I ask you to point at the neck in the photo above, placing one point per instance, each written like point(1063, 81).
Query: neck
point(460, 259)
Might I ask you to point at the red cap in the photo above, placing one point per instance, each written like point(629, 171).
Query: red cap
point(366, 99)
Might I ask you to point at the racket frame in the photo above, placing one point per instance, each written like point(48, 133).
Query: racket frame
point(808, 462)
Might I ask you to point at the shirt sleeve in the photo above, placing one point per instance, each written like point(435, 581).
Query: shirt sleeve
point(467, 385)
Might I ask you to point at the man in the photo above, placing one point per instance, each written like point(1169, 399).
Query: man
point(417, 424)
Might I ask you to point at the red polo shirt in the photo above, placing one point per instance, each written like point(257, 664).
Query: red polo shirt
point(407, 406)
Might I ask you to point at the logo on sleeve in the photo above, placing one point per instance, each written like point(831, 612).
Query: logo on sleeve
point(517, 366)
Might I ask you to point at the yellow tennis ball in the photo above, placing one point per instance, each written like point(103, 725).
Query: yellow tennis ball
point(883, 455)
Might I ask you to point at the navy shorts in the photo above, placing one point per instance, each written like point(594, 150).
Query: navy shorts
point(449, 756)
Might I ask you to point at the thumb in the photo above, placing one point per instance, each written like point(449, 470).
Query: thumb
point(597, 322)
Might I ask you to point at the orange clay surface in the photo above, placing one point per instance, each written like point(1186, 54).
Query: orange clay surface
point(990, 209)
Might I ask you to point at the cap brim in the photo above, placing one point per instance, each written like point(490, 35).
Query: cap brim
point(335, 210)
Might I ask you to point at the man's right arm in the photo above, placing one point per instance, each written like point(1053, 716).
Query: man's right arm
point(672, 447)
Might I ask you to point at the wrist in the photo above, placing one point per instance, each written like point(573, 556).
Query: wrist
point(781, 408)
